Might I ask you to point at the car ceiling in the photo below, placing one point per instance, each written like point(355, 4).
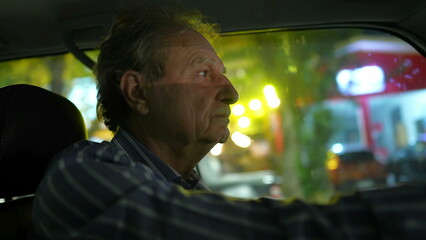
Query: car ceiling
point(42, 27)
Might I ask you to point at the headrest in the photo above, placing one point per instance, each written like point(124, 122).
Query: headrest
point(35, 124)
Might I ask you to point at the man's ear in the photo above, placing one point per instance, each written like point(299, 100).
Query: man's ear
point(132, 86)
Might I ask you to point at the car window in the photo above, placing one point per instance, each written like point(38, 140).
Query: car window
point(62, 74)
point(320, 111)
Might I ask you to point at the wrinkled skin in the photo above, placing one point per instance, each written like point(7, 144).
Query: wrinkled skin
point(191, 102)
point(181, 116)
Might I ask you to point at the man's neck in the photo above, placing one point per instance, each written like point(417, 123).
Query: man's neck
point(182, 158)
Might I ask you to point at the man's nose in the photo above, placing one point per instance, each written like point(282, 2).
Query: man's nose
point(227, 94)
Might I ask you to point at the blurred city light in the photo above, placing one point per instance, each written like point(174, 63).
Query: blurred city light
point(238, 110)
point(268, 179)
point(274, 103)
point(255, 104)
point(217, 149)
point(332, 162)
point(244, 122)
point(359, 81)
point(271, 96)
point(241, 140)
point(337, 148)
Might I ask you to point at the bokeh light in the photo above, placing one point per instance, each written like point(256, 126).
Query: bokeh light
point(244, 122)
point(238, 110)
point(241, 140)
point(255, 104)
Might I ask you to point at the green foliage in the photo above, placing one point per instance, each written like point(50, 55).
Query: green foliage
point(300, 64)
point(52, 72)
point(33, 71)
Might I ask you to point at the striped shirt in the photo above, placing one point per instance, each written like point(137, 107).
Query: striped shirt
point(140, 153)
point(99, 191)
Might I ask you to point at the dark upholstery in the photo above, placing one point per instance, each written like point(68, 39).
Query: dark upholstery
point(15, 219)
point(35, 124)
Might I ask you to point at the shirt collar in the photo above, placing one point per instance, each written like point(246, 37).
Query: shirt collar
point(138, 152)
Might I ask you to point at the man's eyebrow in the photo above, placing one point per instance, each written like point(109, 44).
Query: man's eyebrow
point(201, 60)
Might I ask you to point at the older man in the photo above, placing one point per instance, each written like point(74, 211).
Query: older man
point(162, 86)
point(163, 91)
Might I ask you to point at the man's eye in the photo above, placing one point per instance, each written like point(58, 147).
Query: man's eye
point(203, 74)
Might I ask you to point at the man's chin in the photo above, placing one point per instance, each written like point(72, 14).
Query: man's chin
point(224, 138)
point(217, 135)
point(217, 139)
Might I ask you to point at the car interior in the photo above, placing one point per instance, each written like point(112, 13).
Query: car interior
point(334, 73)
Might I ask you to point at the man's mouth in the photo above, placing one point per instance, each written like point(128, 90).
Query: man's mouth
point(222, 116)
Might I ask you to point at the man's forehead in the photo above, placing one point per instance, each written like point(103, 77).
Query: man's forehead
point(196, 48)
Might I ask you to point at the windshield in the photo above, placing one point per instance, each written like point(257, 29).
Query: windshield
point(320, 111)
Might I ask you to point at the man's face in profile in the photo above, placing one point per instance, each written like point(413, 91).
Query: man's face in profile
point(191, 102)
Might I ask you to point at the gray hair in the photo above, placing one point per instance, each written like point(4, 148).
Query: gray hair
point(138, 41)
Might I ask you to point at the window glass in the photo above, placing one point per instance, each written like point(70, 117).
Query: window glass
point(62, 74)
point(320, 111)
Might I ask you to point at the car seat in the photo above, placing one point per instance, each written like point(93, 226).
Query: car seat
point(35, 124)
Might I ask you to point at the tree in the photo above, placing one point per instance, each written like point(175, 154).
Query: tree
point(300, 65)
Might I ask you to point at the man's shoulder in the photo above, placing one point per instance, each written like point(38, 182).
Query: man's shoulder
point(87, 144)
point(88, 147)
point(89, 151)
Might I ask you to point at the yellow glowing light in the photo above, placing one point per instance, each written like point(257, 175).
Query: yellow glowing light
point(269, 90)
point(238, 110)
point(217, 149)
point(255, 104)
point(274, 103)
point(332, 161)
point(241, 140)
point(271, 96)
point(244, 122)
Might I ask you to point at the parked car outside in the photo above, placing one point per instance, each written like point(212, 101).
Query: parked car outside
point(353, 167)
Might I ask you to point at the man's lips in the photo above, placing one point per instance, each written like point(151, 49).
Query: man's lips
point(222, 113)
